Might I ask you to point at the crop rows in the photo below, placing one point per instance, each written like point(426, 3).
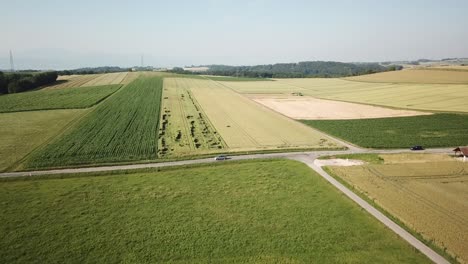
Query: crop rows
point(184, 129)
point(429, 197)
point(439, 130)
point(122, 128)
point(245, 125)
point(79, 97)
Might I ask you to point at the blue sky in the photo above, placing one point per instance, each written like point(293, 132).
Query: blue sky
point(70, 34)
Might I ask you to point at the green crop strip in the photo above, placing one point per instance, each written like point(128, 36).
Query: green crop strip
point(122, 128)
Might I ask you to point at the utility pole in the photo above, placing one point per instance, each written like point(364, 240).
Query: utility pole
point(12, 66)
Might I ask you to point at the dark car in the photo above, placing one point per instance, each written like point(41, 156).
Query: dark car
point(221, 157)
point(417, 148)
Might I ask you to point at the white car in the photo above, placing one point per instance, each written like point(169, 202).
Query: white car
point(221, 157)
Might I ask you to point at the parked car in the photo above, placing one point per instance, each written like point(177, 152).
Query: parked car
point(221, 157)
point(417, 148)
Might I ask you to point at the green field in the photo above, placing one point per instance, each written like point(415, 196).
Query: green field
point(123, 128)
point(276, 211)
point(78, 97)
point(22, 132)
point(439, 130)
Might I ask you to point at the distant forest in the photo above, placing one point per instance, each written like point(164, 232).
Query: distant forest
point(104, 69)
point(324, 69)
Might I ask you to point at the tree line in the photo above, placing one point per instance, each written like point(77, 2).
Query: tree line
point(20, 82)
point(323, 69)
point(104, 69)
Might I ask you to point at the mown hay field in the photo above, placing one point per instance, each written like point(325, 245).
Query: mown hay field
point(438, 130)
point(123, 128)
point(245, 125)
point(430, 97)
point(78, 97)
point(106, 79)
point(424, 75)
point(309, 108)
point(22, 132)
point(430, 197)
point(68, 81)
point(276, 211)
point(184, 129)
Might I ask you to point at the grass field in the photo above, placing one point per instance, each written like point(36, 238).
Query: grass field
point(245, 125)
point(430, 97)
point(23, 132)
point(438, 130)
point(122, 128)
point(276, 211)
point(429, 196)
point(184, 129)
point(427, 75)
point(79, 97)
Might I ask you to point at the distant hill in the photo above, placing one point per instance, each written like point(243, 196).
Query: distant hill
point(298, 70)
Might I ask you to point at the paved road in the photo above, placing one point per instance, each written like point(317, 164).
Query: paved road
point(431, 254)
point(305, 157)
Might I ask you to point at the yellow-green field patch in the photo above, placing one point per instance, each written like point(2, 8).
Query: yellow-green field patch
point(184, 128)
point(425, 75)
point(429, 195)
point(23, 132)
point(245, 125)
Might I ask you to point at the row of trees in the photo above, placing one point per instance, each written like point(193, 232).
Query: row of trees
point(104, 69)
point(20, 82)
point(324, 69)
point(298, 70)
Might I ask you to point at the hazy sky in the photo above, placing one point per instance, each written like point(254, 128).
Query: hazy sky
point(69, 34)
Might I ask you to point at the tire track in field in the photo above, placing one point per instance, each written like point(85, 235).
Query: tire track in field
point(456, 219)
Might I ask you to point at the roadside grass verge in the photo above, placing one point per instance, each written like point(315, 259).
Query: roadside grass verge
point(78, 97)
point(438, 130)
point(254, 212)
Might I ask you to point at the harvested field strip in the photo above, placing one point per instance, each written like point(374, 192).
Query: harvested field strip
point(130, 77)
point(185, 129)
point(123, 128)
point(76, 81)
point(310, 108)
point(22, 132)
point(429, 197)
point(438, 130)
point(432, 97)
point(416, 76)
point(244, 124)
point(78, 97)
point(106, 79)
point(275, 211)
